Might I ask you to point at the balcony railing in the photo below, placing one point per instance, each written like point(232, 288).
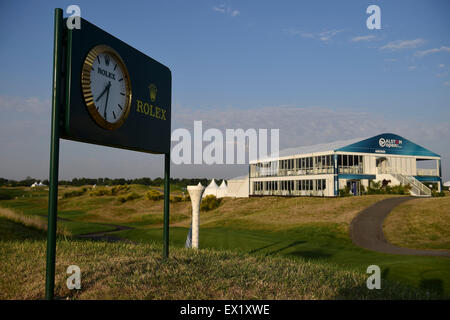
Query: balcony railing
point(427, 172)
point(291, 172)
point(351, 169)
point(317, 193)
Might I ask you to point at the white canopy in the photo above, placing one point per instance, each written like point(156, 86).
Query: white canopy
point(447, 184)
point(223, 184)
point(238, 187)
point(211, 189)
point(223, 190)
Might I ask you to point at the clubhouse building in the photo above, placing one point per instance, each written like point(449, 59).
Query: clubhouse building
point(324, 169)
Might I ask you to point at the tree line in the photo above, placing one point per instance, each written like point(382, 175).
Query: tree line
point(28, 181)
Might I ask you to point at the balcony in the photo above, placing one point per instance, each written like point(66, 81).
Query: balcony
point(427, 172)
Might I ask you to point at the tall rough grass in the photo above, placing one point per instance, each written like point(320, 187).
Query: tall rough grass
point(34, 222)
point(137, 271)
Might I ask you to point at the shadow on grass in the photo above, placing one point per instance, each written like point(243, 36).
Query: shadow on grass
point(292, 244)
point(307, 254)
point(434, 285)
point(385, 273)
point(265, 247)
point(12, 231)
point(316, 254)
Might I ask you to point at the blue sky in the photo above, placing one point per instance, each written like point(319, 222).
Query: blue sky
point(307, 59)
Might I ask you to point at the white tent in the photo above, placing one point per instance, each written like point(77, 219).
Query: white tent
point(223, 190)
point(238, 187)
point(34, 185)
point(447, 184)
point(211, 189)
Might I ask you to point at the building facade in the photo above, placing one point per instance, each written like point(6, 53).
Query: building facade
point(322, 170)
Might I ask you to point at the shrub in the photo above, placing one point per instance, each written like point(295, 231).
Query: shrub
point(5, 196)
point(437, 194)
point(210, 203)
point(98, 192)
point(376, 188)
point(176, 199)
point(345, 192)
point(120, 188)
point(128, 197)
point(74, 193)
point(153, 195)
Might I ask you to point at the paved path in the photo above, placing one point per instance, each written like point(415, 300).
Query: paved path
point(101, 235)
point(105, 235)
point(366, 230)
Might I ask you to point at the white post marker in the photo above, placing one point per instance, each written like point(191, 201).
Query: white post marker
point(195, 192)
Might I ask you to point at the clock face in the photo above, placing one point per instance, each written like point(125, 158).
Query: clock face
point(106, 87)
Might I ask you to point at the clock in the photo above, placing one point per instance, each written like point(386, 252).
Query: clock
point(106, 87)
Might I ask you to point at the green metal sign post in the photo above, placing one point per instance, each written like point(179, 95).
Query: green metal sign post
point(71, 119)
point(166, 204)
point(54, 157)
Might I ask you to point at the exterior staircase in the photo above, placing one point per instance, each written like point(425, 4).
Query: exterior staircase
point(418, 189)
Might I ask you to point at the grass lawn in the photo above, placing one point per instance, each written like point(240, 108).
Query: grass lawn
point(422, 223)
point(137, 271)
point(300, 229)
point(316, 242)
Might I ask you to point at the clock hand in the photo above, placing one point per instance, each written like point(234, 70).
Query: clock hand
point(107, 95)
point(101, 94)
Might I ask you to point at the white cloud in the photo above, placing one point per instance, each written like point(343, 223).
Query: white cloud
point(412, 67)
point(442, 65)
point(234, 13)
point(226, 10)
point(30, 105)
point(26, 140)
point(303, 126)
point(403, 44)
point(327, 35)
point(364, 38)
point(323, 36)
point(430, 51)
point(312, 125)
point(441, 75)
point(220, 9)
point(447, 83)
point(300, 33)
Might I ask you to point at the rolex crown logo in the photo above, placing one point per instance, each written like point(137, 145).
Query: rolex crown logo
point(153, 91)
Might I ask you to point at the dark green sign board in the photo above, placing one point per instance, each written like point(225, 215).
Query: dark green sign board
point(115, 95)
point(106, 93)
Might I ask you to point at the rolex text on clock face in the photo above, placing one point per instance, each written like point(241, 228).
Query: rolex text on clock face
point(108, 87)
